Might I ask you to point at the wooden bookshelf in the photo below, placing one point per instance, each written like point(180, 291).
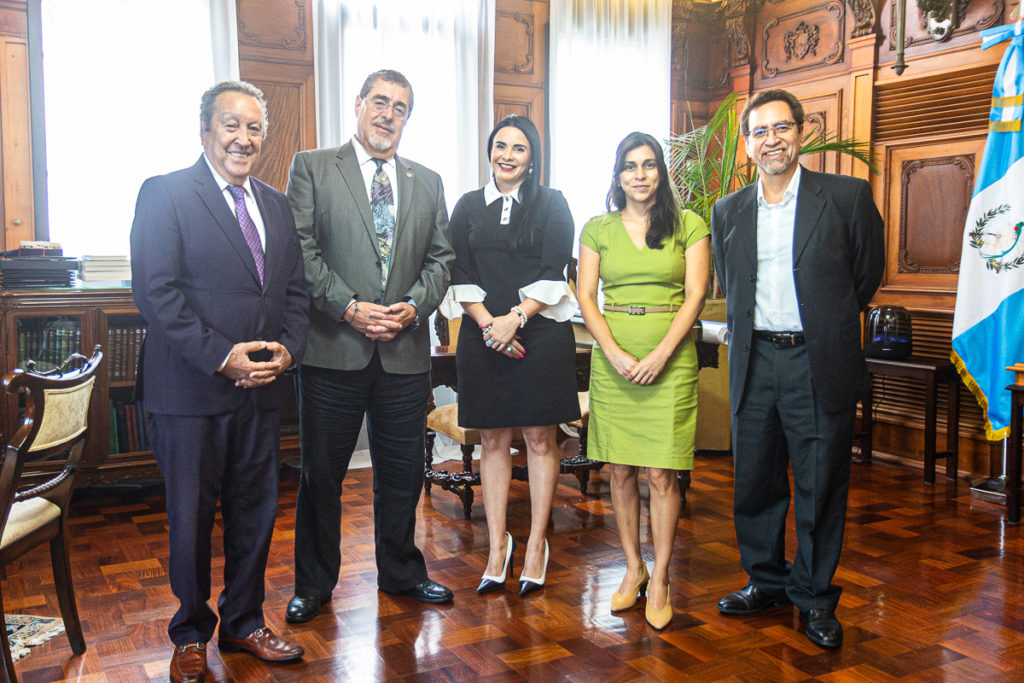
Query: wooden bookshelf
point(46, 325)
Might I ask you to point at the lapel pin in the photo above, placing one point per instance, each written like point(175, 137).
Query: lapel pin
point(408, 174)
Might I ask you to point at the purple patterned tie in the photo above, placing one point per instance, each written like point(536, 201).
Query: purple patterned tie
point(252, 237)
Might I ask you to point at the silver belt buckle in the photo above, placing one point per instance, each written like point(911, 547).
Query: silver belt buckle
point(637, 310)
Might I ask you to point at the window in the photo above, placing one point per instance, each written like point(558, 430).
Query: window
point(445, 49)
point(610, 75)
point(122, 81)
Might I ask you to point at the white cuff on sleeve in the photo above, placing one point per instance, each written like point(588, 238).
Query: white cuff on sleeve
point(451, 305)
point(561, 304)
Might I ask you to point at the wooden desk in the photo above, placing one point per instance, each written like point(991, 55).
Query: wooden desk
point(930, 371)
point(1013, 453)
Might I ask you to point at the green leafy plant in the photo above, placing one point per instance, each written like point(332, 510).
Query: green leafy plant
point(703, 164)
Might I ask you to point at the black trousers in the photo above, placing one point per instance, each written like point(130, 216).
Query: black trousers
point(780, 422)
point(232, 457)
point(332, 404)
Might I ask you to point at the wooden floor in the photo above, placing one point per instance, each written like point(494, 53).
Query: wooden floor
point(934, 590)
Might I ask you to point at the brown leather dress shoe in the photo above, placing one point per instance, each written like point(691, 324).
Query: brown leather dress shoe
point(262, 644)
point(188, 663)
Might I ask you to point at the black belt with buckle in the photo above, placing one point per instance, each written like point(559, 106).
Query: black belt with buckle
point(780, 340)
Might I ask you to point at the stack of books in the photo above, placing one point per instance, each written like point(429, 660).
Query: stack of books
point(35, 264)
point(105, 271)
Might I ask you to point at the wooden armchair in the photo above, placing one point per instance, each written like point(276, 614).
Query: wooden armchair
point(54, 429)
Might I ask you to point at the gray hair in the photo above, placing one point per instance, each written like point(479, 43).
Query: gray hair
point(206, 105)
point(388, 76)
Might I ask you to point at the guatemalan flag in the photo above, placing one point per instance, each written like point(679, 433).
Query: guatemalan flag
point(988, 325)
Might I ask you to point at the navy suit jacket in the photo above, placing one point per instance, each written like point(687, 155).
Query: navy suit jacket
point(838, 259)
point(195, 282)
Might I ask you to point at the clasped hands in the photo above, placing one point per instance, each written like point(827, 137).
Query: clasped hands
point(643, 371)
point(380, 323)
point(500, 335)
point(248, 373)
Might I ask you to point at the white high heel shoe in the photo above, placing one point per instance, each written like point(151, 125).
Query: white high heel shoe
point(490, 583)
point(528, 585)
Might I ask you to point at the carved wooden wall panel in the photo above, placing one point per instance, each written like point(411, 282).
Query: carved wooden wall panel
point(935, 194)
point(275, 29)
point(797, 38)
point(520, 43)
point(929, 191)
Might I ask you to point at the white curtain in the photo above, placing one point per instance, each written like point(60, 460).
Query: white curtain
point(610, 66)
point(445, 49)
point(122, 81)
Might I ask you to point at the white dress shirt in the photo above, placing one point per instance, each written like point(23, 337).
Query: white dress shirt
point(776, 308)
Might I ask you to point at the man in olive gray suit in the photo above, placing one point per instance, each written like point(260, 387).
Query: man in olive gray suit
point(373, 232)
point(799, 255)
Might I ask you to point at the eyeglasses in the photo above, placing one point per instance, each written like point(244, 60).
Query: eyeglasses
point(379, 105)
point(780, 129)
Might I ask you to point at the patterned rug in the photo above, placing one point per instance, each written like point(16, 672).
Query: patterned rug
point(25, 631)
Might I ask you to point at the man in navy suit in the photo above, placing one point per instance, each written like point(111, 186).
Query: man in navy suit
point(217, 274)
point(799, 255)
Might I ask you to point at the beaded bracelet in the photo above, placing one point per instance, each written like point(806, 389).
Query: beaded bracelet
point(522, 316)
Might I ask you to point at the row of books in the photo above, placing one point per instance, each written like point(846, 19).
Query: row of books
point(127, 427)
point(123, 347)
point(49, 344)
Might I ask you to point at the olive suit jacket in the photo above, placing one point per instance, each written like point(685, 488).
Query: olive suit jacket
point(339, 247)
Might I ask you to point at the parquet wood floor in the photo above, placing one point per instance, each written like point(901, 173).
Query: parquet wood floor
point(934, 591)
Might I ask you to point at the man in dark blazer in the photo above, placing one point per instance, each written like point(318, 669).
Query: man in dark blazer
point(217, 274)
point(798, 255)
point(373, 232)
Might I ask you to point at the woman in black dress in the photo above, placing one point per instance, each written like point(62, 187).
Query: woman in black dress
point(515, 355)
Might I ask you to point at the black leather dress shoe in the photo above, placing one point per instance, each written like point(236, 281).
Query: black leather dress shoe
point(301, 610)
point(822, 627)
point(427, 591)
point(750, 600)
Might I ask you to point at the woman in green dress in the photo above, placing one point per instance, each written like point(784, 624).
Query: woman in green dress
point(652, 262)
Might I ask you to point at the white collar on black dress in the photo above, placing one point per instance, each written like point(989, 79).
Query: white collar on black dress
point(493, 194)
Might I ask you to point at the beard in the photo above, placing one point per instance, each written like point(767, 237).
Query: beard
point(776, 166)
point(377, 141)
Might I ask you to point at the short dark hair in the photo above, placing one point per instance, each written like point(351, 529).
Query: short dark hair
point(774, 95)
point(389, 76)
point(663, 215)
point(209, 100)
point(521, 231)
